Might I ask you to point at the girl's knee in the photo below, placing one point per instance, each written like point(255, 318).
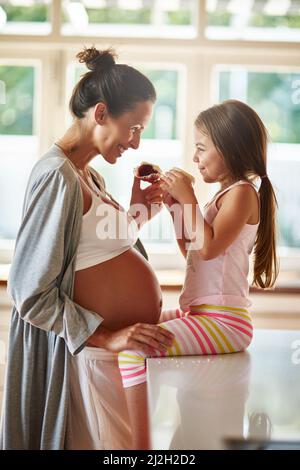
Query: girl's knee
point(246, 343)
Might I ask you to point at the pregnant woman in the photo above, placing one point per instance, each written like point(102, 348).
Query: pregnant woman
point(79, 298)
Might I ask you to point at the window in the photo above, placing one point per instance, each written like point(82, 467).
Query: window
point(156, 18)
point(25, 17)
point(187, 47)
point(253, 20)
point(19, 144)
point(275, 96)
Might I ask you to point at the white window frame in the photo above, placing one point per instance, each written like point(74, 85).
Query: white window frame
point(199, 55)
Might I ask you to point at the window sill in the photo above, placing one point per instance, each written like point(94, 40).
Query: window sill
point(172, 279)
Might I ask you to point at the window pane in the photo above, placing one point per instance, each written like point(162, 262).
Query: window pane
point(18, 144)
point(17, 110)
point(25, 17)
point(275, 96)
point(160, 145)
point(269, 20)
point(137, 18)
point(164, 122)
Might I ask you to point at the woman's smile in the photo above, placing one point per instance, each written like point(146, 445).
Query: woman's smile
point(121, 149)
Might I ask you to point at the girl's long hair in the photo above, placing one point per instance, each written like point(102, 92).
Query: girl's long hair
point(241, 138)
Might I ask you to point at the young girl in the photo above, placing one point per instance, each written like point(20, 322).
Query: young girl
point(231, 147)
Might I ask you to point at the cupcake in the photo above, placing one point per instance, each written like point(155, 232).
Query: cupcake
point(148, 172)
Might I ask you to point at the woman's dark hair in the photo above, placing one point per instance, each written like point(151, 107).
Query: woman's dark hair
point(240, 137)
point(119, 86)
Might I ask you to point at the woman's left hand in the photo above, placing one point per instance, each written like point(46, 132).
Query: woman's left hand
point(177, 184)
point(150, 198)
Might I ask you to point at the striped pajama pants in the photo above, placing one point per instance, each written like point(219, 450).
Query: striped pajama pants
point(204, 329)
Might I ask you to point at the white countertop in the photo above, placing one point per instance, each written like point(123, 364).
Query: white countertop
point(198, 401)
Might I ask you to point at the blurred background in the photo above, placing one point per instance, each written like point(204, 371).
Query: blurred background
point(197, 53)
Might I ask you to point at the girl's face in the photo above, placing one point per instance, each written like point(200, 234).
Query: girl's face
point(115, 135)
point(210, 162)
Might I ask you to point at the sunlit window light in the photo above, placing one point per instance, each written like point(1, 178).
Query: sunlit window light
point(277, 8)
point(95, 3)
point(77, 15)
point(130, 4)
point(211, 5)
point(27, 3)
point(169, 5)
point(3, 17)
point(237, 7)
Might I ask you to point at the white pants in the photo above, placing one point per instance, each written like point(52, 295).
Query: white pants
point(98, 411)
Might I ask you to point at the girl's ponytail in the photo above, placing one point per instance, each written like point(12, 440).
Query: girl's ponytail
point(265, 262)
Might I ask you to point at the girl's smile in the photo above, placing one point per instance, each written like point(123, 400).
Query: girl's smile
point(210, 162)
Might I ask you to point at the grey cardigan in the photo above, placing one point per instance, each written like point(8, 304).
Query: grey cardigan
point(46, 325)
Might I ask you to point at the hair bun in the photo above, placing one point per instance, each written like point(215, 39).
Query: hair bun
point(97, 60)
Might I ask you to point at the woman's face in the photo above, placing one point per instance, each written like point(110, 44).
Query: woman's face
point(113, 136)
point(210, 162)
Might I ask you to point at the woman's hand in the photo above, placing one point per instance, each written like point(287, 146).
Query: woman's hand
point(177, 184)
point(150, 195)
point(149, 200)
point(142, 337)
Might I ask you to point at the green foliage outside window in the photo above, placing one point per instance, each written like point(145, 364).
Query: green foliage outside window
point(267, 21)
point(271, 95)
point(119, 16)
point(258, 20)
point(113, 15)
point(219, 19)
point(166, 84)
point(179, 17)
point(16, 115)
point(35, 13)
point(141, 16)
point(39, 13)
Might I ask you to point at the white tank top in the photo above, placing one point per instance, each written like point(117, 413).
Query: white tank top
point(106, 232)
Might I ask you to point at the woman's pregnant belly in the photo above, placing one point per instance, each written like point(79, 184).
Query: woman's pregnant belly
point(123, 290)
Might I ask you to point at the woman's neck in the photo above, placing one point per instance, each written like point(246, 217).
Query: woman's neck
point(77, 146)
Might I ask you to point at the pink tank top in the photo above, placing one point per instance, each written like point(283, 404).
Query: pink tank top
point(222, 280)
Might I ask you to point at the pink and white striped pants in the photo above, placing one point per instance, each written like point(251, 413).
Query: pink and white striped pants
point(205, 329)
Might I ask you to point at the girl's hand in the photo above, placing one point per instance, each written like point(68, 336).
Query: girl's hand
point(177, 184)
point(142, 337)
point(168, 200)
